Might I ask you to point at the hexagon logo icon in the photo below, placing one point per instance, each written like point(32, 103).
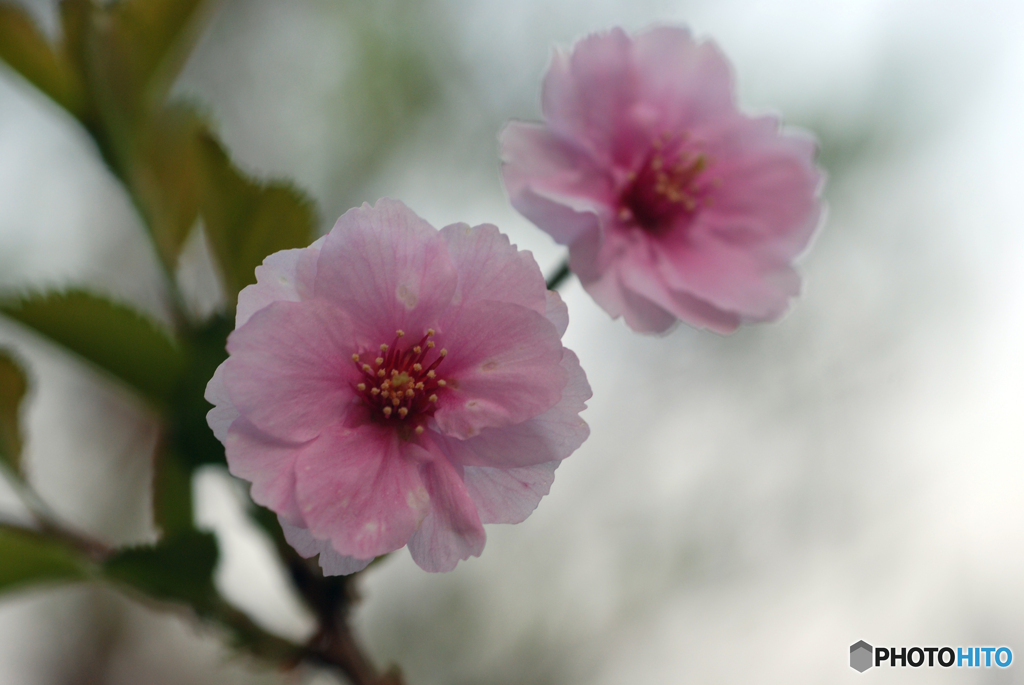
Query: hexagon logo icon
point(860, 656)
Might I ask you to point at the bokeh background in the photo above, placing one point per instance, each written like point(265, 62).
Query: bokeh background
point(747, 506)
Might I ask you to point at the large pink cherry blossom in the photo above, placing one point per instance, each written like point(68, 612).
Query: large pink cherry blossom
point(674, 205)
point(393, 384)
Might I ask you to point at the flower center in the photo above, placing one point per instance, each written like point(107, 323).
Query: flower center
point(666, 186)
point(399, 385)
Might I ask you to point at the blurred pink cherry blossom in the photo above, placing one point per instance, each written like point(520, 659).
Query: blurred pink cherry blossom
point(674, 205)
point(394, 384)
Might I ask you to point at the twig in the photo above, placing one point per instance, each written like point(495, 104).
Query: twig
point(556, 279)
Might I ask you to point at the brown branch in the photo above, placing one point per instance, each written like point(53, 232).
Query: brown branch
point(331, 598)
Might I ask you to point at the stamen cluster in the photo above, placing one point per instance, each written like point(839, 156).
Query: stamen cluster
point(665, 185)
point(399, 385)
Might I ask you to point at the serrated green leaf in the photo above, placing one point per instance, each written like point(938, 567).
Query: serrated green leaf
point(29, 53)
point(179, 568)
point(13, 386)
point(27, 557)
point(246, 221)
point(112, 336)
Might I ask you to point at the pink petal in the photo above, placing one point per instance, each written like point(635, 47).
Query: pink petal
point(556, 312)
point(563, 224)
point(551, 436)
point(224, 412)
point(508, 495)
point(503, 368)
point(644, 315)
point(649, 303)
point(332, 563)
point(540, 168)
point(768, 186)
point(267, 463)
point(588, 96)
point(729, 277)
point(290, 371)
point(685, 82)
point(284, 276)
point(690, 309)
point(491, 268)
point(452, 530)
point(361, 489)
point(602, 282)
point(592, 254)
point(388, 269)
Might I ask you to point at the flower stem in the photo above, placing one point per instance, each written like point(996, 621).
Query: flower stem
point(557, 278)
point(332, 599)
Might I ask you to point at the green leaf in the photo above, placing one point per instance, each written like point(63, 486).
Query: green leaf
point(28, 52)
point(131, 51)
point(193, 441)
point(179, 568)
point(172, 494)
point(163, 172)
point(158, 35)
point(27, 557)
point(13, 386)
point(245, 220)
point(112, 336)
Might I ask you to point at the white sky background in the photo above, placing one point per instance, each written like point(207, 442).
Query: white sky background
point(747, 507)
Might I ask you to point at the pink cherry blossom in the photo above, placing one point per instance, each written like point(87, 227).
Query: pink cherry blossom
point(396, 385)
point(674, 205)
